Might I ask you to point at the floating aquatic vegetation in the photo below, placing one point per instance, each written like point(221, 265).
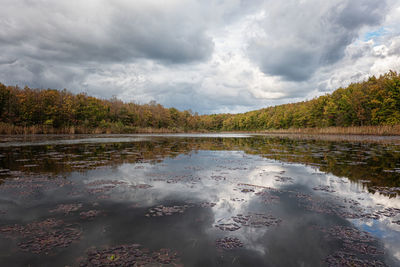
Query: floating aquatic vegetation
point(237, 168)
point(141, 186)
point(346, 259)
point(389, 212)
point(259, 187)
point(370, 216)
point(349, 234)
point(256, 220)
point(11, 231)
point(391, 191)
point(176, 178)
point(44, 236)
point(129, 255)
point(165, 256)
point(29, 184)
point(302, 196)
point(100, 193)
point(194, 168)
point(236, 199)
point(105, 182)
point(166, 211)
point(99, 188)
point(345, 208)
point(103, 196)
point(228, 226)
point(351, 211)
point(86, 164)
point(354, 242)
point(283, 179)
point(173, 180)
point(339, 181)
point(267, 197)
point(67, 208)
point(207, 204)
point(362, 248)
point(218, 177)
point(44, 242)
point(324, 188)
point(320, 206)
point(352, 202)
point(254, 186)
point(89, 214)
point(228, 243)
point(247, 190)
point(139, 167)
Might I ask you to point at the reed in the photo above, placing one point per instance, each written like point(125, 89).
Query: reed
point(9, 129)
point(352, 130)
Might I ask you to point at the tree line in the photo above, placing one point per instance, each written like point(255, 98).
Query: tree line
point(374, 102)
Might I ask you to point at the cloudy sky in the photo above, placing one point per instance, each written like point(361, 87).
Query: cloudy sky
point(209, 56)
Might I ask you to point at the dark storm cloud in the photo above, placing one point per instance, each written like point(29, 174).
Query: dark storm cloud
point(41, 75)
point(292, 64)
point(303, 36)
point(118, 31)
point(57, 44)
point(7, 62)
point(354, 14)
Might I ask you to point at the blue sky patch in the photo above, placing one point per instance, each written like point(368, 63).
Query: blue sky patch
point(375, 34)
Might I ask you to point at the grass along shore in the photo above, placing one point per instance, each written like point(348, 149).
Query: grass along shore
point(8, 129)
point(351, 130)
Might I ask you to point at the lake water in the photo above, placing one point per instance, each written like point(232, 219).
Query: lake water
point(199, 200)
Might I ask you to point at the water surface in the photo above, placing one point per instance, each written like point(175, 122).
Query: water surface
point(198, 200)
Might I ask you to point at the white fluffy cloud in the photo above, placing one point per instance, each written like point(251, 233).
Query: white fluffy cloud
point(208, 56)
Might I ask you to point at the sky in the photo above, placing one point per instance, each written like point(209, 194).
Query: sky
point(209, 56)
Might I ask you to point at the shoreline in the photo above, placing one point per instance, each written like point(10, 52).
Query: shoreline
point(385, 130)
point(35, 139)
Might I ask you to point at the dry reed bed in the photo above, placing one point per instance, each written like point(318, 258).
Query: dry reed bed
point(352, 130)
point(9, 129)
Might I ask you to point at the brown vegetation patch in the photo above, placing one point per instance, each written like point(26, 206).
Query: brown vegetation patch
point(346, 259)
point(256, 220)
point(44, 236)
point(207, 204)
point(166, 211)
point(28, 184)
point(129, 255)
point(324, 188)
point(267, 197)
point(141, 186)
point(228, 226)
point(228, 243)
point(284, 179)
point(67, 208)
point(90, 214)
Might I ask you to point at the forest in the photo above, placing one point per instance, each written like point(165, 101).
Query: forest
point(374, 102)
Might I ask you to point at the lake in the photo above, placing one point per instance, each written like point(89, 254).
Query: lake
point(199, 200)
